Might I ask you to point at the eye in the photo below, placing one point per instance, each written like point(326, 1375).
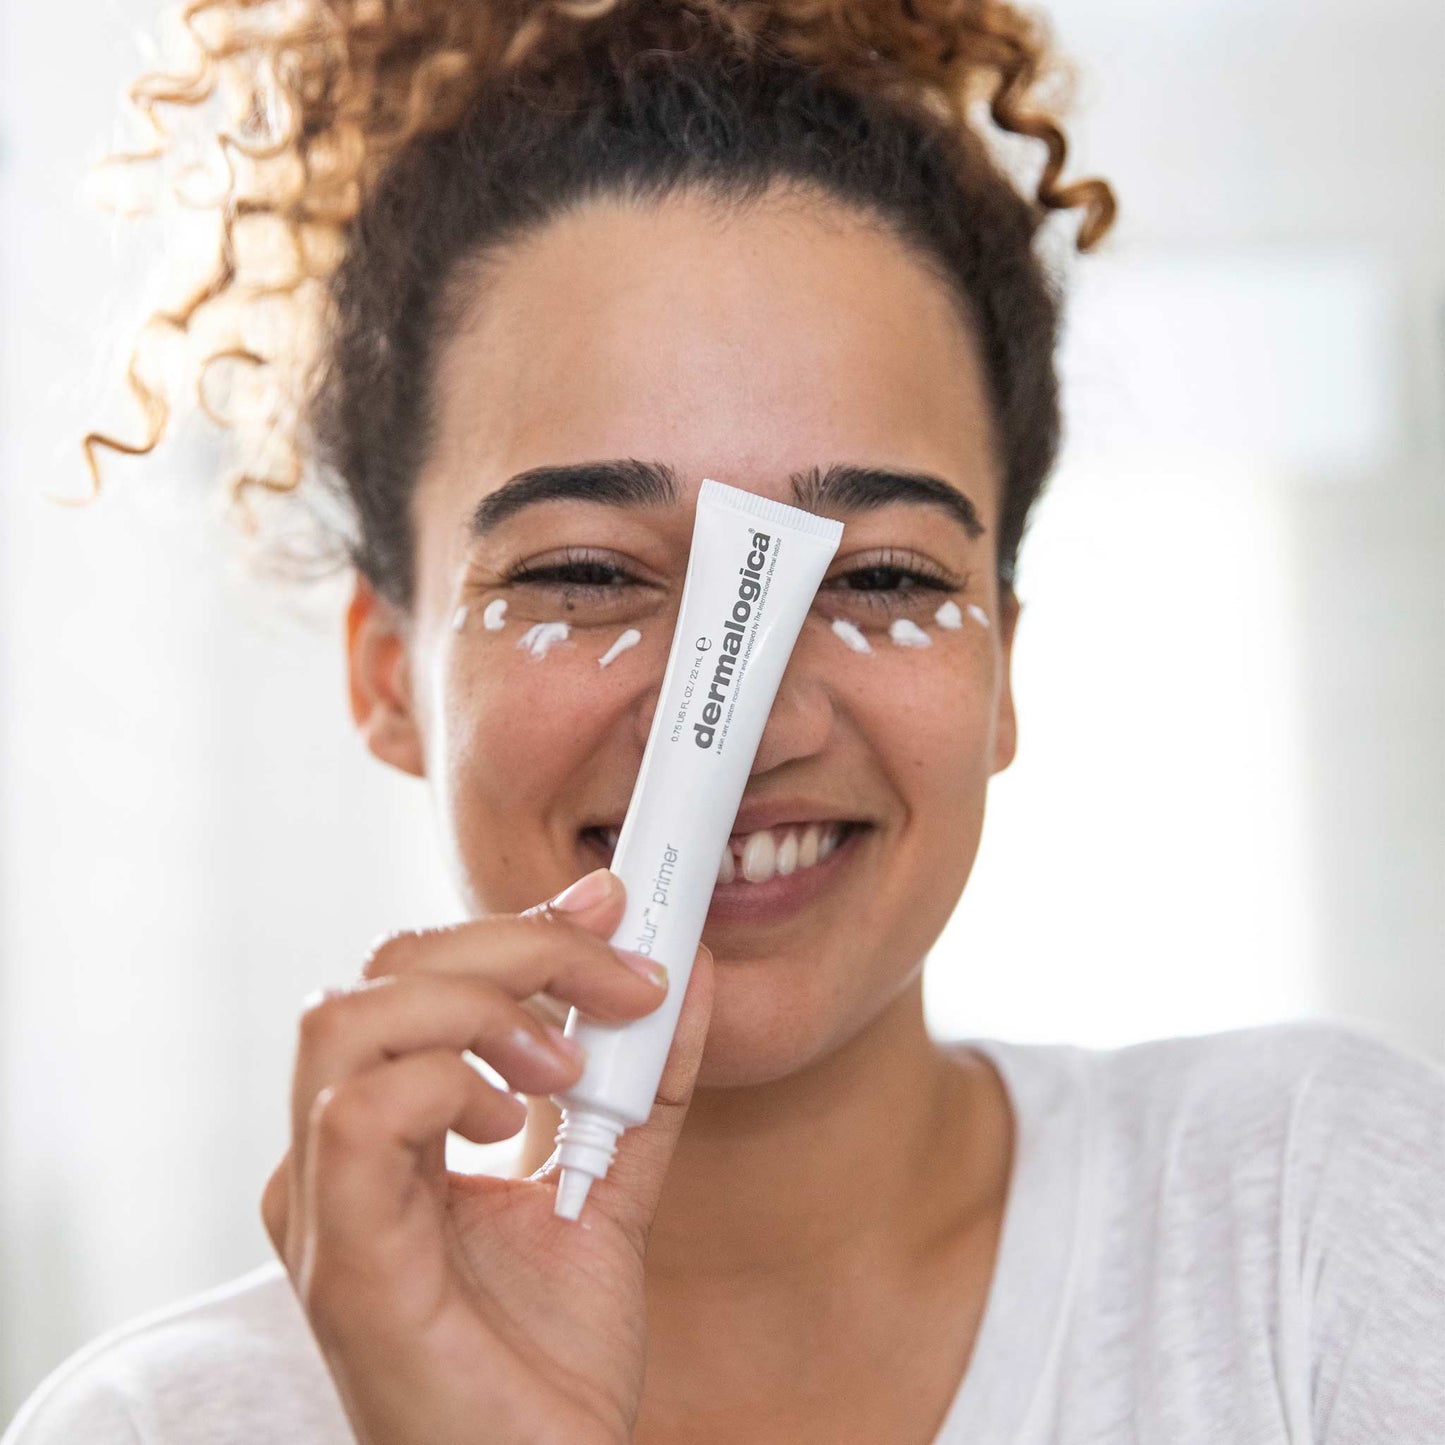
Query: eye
point(574, 573)
point(889, 581)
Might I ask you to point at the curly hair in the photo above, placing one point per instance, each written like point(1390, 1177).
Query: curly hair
point(378, 152)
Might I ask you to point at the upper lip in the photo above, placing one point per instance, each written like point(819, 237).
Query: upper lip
point(754, 817)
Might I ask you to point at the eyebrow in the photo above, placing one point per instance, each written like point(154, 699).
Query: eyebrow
point(632, 483)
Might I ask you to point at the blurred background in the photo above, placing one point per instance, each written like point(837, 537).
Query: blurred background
point(1229, 802)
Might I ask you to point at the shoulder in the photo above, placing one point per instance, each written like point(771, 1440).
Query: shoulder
point(233, 1363)
point(1315, 1083)
point(1246, 1060)
point(1325, 1146)
point(1352, 1125)
point(1368, 1162)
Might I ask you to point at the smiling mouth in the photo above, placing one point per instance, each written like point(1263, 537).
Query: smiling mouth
point(761, 856)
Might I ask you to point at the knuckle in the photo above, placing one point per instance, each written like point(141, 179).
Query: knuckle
point(543, 914)
point(274, 1206)
point(321, 1017)
point(542, 921)
point(392, 953)
point(404, 950)
point(340, 1116)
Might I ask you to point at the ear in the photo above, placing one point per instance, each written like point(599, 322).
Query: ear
point(1006, 730)
point(378, 661)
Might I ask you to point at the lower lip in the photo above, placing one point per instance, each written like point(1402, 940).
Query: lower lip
point(780, 897)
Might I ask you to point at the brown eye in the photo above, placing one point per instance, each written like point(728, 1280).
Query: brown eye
point(575, 576)
point(576, 573)
point(888, 579)
point(884, 588)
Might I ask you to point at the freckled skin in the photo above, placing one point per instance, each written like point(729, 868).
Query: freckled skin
point(740, 346)
point(726, 348)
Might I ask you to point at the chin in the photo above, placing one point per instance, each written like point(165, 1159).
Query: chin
point(761, 1032)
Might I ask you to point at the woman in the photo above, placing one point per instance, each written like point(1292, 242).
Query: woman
point(588, 256)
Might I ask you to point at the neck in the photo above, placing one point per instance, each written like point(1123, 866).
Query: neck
point(888, 1139)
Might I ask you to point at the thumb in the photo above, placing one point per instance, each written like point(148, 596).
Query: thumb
point(630, 1192)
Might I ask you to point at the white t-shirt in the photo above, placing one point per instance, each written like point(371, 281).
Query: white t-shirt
point(1236, 1239)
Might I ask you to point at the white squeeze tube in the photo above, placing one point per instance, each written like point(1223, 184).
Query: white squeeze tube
point(752, 574)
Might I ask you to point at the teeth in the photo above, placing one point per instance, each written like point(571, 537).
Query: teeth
point(769, 854)
point(760, 857)
point(757, 857)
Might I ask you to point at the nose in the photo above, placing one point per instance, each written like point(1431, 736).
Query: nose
point(800, 723)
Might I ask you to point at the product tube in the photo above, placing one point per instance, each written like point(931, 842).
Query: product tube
point(752, 574)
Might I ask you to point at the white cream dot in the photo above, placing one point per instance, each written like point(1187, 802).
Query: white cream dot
point(459, 619)
point(630, 638)
point(540, 638)
point(949, 616)
point(493, 614)
point(850, 634)
point(907, 633)
point(978, 614)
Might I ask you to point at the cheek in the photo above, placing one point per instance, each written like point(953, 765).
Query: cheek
point(926, 716)
point(528, 732)
point(933, 728)
point(926, 712)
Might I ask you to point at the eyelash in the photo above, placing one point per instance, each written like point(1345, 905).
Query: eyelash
point(554, 575)
point(891, 565)
point(563, 577)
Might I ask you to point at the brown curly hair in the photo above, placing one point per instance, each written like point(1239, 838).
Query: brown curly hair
point(377, 151)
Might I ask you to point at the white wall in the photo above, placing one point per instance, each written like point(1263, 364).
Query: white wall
point(1228, 802)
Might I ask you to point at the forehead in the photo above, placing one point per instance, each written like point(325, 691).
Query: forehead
point(753, 340)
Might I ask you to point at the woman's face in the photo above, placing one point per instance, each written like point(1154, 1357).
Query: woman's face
point(748, 346)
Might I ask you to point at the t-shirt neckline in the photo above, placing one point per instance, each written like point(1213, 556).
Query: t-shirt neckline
point(1019, 1337)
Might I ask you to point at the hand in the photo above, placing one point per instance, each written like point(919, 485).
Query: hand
point(453, 1307)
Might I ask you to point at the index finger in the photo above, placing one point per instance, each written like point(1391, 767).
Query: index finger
point(521, 953)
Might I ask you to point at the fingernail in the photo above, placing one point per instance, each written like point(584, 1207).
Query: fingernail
point(570, 1047)
point(585, 893)
point(649, 968)
point(556, 1046)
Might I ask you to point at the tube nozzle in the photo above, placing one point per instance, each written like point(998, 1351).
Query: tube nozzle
point(571, 1191)
point(586, 1144)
